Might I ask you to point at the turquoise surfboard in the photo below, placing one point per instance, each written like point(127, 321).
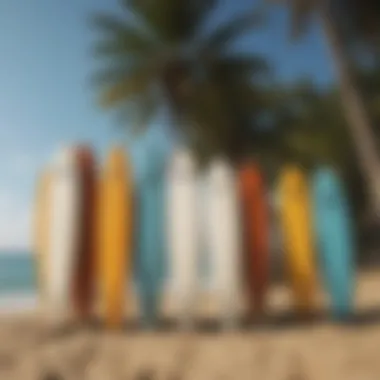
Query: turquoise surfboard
point(335, 239)
point(150, 262)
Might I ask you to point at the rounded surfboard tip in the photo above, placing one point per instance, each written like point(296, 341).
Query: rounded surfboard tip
point(65, 157)
point(292, 173)
point(325, 176)
point(251, 175)
point(183, 159)
point(85, 154)
point(116, 160)
point(220, 170)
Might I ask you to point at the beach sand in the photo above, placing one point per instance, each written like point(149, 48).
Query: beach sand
point(283, 348)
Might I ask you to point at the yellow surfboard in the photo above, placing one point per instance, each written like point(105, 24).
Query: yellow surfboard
point(41, 229)
point(114, 235)
point(297, 234)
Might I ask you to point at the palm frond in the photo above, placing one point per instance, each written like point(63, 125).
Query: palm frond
point(127, 44)
point(120, 37)
point(139, 113)
point(360, 20)
point(172, 20)
point(301, 12)
point(127, 87)
point(231, 30)
point(108, 23)
point(239, 67)
point(113, 74)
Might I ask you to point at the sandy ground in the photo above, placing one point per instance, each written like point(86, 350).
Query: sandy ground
point(282, 348)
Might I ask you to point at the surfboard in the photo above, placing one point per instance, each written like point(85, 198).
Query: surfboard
point(224, 238)
point(63, 242)
point(183, 234)
point(276, 246)
point(255, 215)
point(335, 239)
point(204, 257)
point(297, 231)
point(115, 235)
point(42, 230)
point(83, 282)
point(151, 260)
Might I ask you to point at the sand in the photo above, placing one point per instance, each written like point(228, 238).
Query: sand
point(280, 349)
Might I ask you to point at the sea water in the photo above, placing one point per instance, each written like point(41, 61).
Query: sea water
point(18, 289)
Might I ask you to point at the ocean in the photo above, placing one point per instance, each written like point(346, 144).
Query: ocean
point(17, 273)
point(18, 282)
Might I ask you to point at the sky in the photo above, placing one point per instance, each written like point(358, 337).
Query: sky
point(46, 99)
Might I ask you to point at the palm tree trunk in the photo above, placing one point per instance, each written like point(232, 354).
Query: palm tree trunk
point(357, 117)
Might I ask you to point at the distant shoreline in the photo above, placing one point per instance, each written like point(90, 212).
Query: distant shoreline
point(14, 252)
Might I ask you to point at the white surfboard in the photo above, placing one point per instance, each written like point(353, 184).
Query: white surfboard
point(183, 239)
point(224, 239)
point(204, 265)
point(64, 217)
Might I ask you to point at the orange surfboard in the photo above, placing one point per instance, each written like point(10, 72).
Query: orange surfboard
point(83, 283)
point(41, 230)
point(115, 235)
point(298, 236)
point(255, 215)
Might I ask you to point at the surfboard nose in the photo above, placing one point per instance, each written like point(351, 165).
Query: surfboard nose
point(250, 175)
point(292, 174)
point(324, 177)
point(220, 171)
point(65, 157)
point(183, 165)
point(85, 154)
point(183, 160)
point(116, 160)
point(155, 165)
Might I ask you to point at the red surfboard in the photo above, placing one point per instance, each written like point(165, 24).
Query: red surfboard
point(83, 284)
point(255, 215)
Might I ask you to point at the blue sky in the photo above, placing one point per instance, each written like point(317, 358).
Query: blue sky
point(46, 98)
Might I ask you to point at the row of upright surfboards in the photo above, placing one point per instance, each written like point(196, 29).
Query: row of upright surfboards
point(97, 230)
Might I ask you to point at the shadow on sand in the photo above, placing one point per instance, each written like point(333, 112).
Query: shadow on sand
point(275, 323)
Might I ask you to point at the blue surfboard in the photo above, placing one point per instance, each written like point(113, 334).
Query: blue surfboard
point(150, 261)
point(335, 239)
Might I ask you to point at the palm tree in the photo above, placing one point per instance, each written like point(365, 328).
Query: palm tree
point(339, 19)
point(163, 56)
point(311, 132)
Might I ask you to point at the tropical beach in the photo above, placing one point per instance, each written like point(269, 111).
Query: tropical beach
point(281, 348)
point(209, 143)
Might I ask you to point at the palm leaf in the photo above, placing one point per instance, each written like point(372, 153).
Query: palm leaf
point(140, 112)
point(109, 24)
point(127, 44)
point(231, 30)
point(113, 74)
point(301, 11)
point(241, 67)
point(173, 21)
point(129, 87)
point(121, 36)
